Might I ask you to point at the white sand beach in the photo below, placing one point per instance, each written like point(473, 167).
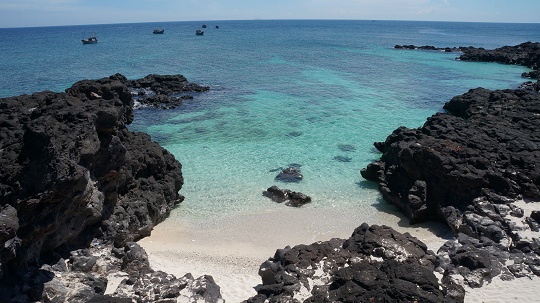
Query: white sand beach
point(523, 290)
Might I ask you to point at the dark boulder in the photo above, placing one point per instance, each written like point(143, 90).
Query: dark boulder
point(294, 199)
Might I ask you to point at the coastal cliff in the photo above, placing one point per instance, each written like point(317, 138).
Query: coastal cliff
point(77, 188)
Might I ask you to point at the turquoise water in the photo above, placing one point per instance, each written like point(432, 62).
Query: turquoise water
point(310, 93)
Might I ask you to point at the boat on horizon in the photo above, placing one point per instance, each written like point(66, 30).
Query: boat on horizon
point(199, 32)
point(159, 31)
point(90, 40)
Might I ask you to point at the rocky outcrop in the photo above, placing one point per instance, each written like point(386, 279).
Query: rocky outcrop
point(468, 168)
point(163, 91)
point(87, 275)
point(526, 54)
point(376, 264)
point(71, 174)
point(430, 48)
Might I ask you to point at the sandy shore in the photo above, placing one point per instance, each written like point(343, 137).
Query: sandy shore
point(523, 290)
point(231, 249)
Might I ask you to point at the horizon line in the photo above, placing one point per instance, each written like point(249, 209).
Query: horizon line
point(262, 19)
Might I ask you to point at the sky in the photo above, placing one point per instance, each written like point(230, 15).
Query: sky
point(30, 13)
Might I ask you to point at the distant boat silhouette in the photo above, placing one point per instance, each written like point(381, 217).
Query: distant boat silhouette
point(159, 31)
point(217, 26)
point(91, 40)
point(199, 32)
point(204, 26)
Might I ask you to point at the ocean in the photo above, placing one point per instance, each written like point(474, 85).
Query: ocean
point(314, 94)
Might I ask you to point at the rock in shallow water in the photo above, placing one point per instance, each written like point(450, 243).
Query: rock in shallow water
point(290, 174)
point(294, 199)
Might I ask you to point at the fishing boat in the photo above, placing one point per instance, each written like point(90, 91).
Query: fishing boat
point(159, 31)
point(199, 32)
point(90, 40)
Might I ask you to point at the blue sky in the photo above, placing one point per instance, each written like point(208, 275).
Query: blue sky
point(17, 13)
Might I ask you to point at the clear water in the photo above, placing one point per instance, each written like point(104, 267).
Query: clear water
point(313, 93)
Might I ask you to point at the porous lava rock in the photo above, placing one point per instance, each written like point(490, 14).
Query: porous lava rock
point(376, 264)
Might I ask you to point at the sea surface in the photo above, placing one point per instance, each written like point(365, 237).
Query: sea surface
point(312, 94)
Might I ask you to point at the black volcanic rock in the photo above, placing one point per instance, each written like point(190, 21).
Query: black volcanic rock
point(167, 84)
point(290, 174)
point(292, 198)
point(72, 175)
point(376, 264)
point(163, 91)
point(429, 48)
point(526, 54)
point(487, 147)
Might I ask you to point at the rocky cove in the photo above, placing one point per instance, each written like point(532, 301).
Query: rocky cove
point(77, 189)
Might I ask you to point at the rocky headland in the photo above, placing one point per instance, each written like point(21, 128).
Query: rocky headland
point(76, 190)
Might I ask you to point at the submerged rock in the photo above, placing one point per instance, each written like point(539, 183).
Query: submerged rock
point(290, 174)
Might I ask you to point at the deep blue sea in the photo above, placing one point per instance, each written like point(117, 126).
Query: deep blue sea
point(316, 94)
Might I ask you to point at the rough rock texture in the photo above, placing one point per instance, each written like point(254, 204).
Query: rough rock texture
point(71, 174)
point(163, 91)
point(430, 48)
point(526, 54)
point(83, 277)
point(292, 198)
point(376, 264)
point(468, 167)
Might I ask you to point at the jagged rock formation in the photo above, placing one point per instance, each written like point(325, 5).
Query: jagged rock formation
point(468, 168)
point(72, 174)
point(376, 264)
point(163, 91)
point(430, 48)
point(526, 54)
